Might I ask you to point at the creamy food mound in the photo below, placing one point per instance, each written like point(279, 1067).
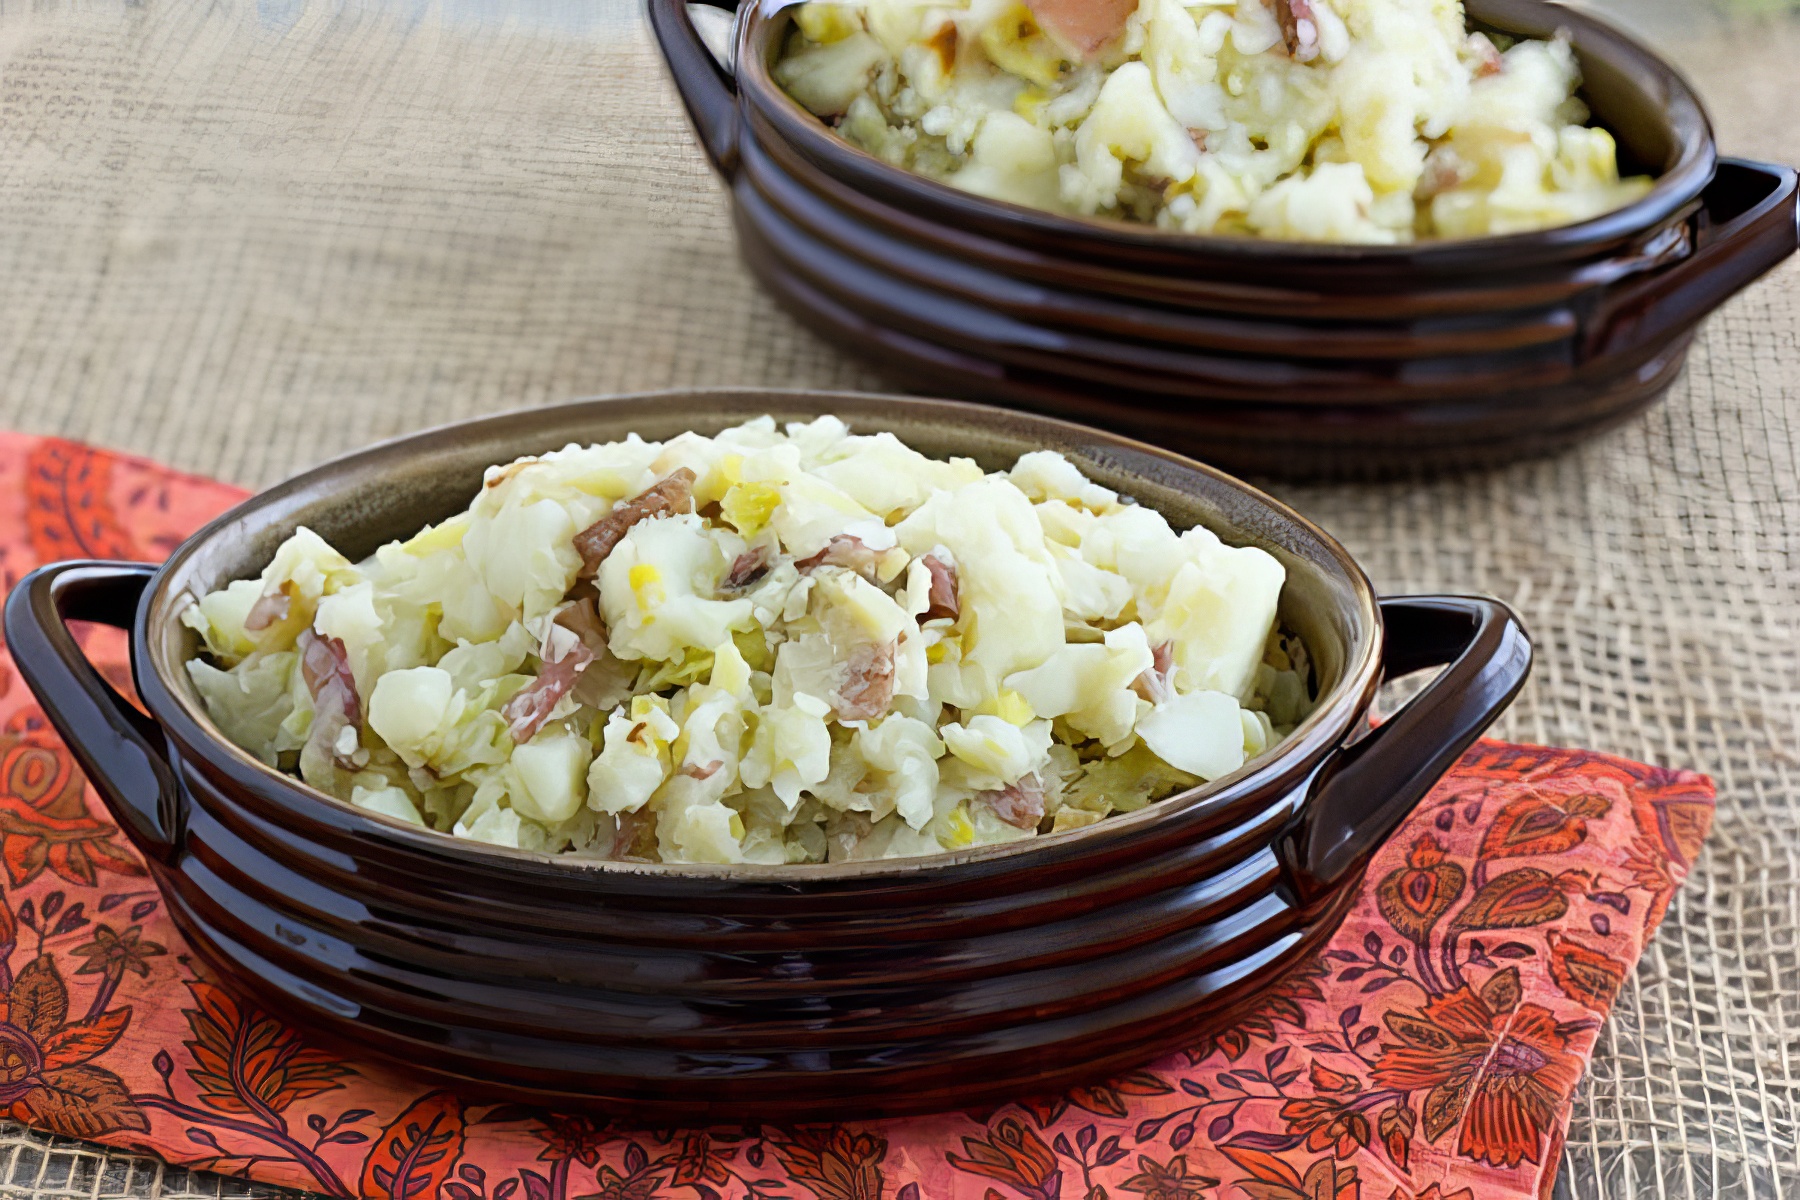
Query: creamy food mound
point(771, 646)
point(1367, 121)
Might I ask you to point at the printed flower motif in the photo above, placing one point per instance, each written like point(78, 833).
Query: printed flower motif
point(1272, 1178)
point(1650, 870)
point(614, 1186)
point(835, 1162)
point(1325, 1080)
point(47, 1077)
point(1282, 1002)
point(69, 511)
point(44, 818)
point(1015, 1156)
point(247, 1062)
point(1396, 1126)
point(1415, 897)
point(1494, 1066)
point(1327, 1124)
point(1543, 822)
point(576, 1137)
point(1671, 808)
point(1167, 1181)
point(414, 1156)
point(1584, 974)
point(1672, 816)
point(114, 953)
point(1522, 897)
point(1107, 1099)
point(696, 1161)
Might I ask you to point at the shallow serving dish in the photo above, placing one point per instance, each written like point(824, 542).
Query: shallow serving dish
point(694, 992)
point(1277, 357)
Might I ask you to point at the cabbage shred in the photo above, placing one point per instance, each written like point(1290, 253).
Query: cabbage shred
point(1371, 121)
point(770, 646)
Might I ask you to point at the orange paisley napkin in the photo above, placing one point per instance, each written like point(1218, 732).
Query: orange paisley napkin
point(1430, 1053)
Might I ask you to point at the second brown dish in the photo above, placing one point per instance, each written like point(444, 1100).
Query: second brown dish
point(1278, 358)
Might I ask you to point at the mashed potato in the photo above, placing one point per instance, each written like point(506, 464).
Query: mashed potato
point(1371, 121)
point(770, 646)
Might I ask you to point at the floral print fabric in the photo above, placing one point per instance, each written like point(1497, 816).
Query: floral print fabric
point(1430, 1052)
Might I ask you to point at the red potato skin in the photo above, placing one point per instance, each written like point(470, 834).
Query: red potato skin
point(1158, 683)
point(944, 599)
point(270, 607)
point(748, 568)
point(325, 667)
point(528, 709)
point(868, 686)
point(1020, 804)
point(843, 550)
point(1299, 28)
point(1082, 26)
point(1492, 62)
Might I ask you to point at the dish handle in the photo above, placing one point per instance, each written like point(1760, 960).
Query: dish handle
point(708, 90)
point(1362, 793)
point(1749, 221)
point(117, 746)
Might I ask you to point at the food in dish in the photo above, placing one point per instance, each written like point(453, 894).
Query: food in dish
point(1363, 121)
point(769, 646)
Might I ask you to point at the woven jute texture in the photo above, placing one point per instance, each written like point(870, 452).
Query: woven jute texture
point(241, 237)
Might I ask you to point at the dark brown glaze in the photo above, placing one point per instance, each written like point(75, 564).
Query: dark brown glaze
point(1282, 358)
point(701, 992)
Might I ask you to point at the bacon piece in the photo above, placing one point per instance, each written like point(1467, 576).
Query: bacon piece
point(634, 838)
point(1158, 683)
point(564, 655)
point(746, 569)
point(1082, 26)
point(672, 494)
point(843, 550)
point(1020, 804)
point(868, 686)
point(272, 606)
point(325, 668)
point(943, 600)
point(1299, 28)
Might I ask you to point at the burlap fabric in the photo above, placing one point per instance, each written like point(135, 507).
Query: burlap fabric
point(244, 237)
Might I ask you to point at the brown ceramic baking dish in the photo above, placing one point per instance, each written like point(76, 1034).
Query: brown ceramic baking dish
point(695, 992)
point(1273, 357)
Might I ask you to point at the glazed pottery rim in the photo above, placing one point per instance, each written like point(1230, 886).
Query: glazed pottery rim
point(1323, 730)
point(1674, 187)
